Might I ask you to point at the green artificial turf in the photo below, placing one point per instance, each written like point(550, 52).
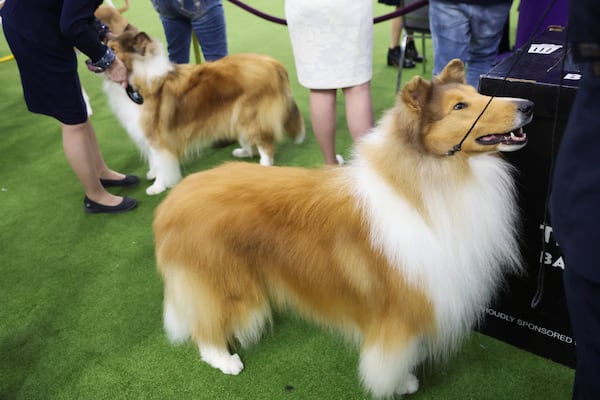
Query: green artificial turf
point(80, 298)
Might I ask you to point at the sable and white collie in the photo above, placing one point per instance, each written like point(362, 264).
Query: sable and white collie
point(187, 106)
point(401, 250)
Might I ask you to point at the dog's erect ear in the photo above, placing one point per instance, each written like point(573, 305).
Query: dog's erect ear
point(415, 93)
point(453, 72)
point(140, 42)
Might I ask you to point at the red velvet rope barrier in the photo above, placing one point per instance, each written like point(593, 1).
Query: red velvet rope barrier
point(397, 13)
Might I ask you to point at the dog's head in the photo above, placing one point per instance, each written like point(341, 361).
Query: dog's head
point(446, 115)
point(132, 46)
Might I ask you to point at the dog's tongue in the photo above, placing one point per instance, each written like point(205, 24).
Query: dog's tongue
point(516, 136)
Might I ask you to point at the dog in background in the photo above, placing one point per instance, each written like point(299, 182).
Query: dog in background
point(244, 97)
point(112, 16)
point(401, 250)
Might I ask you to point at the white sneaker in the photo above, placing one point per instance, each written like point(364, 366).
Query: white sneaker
point(340, 159)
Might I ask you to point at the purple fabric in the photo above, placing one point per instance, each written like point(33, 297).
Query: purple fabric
point(530, 12)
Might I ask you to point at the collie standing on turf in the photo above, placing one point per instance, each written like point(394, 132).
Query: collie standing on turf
point(400, 250)
point(333, 48)
point(42, 34)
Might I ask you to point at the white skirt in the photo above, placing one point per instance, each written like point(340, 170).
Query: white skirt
point(332, 41)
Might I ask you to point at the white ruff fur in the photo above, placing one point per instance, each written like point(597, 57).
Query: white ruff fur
point(454, 254)
point(163, 166)
point(380, 369)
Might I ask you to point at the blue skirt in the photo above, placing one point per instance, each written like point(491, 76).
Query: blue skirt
point(49, 78)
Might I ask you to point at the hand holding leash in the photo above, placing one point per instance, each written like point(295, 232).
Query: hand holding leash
point(117, 72)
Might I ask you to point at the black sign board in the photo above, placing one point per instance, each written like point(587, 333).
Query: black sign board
point(542, 72)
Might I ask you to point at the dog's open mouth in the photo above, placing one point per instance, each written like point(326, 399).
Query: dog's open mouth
point(516, 137)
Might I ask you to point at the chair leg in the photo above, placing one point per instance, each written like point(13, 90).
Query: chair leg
point(423, 35)
point(401, 61)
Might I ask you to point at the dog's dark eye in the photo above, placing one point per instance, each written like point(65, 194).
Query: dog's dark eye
point(460, 106)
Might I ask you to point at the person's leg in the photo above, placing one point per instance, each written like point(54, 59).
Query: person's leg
point(450, 34)
point(487, 27)
point(210, 29)
point(359, 109)
point(583, 300)
point(178, 32)
point(396, 31)
point(323, 118)
point(393, 55)
point(98, 161)
point(82, 154)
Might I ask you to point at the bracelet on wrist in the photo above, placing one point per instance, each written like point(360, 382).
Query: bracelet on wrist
point(103, 63)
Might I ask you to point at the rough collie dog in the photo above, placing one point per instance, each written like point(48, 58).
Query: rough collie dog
point(187, 106)
point(401, 250)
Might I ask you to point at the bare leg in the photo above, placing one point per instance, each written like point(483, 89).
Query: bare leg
point(359, 109)
point(322, 113)
point(396, 30)
point(103, 171)
point(83, 154)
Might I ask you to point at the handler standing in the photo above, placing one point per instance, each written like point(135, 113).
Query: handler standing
point(575, 200)
point(42, 35)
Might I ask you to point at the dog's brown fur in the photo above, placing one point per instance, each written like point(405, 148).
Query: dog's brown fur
point(246, 97)
point(400, 250)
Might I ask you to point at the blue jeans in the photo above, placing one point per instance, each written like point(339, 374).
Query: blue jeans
point(469, 32)
point(206, 18)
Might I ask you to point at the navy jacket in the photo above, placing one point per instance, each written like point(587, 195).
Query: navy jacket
point(58, 25)
point(575, 200)
point(584, 29)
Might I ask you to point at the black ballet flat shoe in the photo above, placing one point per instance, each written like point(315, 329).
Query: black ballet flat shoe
point(91, 207)
point(128, 181)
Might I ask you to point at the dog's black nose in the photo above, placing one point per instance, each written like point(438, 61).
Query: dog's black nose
point(526, 107)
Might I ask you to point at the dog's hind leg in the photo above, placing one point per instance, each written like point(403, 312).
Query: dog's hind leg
point(245, 151)
point(191, 310)
point(387, 369)
point(166, 167)
point(218, 356)
point(266, 155)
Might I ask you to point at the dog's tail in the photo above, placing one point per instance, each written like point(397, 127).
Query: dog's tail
point(294, 123)
point(124, 8)
point(121, 10)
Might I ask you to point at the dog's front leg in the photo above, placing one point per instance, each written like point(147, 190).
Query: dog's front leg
point(164, 165)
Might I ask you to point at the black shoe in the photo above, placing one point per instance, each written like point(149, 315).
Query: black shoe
point(91, 207)
point(393, 58)
point(411, 52)
point(128, 181)
point(220, 143)
point(408, 63)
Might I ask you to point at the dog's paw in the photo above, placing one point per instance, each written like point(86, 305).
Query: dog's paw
point(241, 153)
point(151, 175)
point(155, 189)
point(233, 366)
point(229, 364)
point(409, 386)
